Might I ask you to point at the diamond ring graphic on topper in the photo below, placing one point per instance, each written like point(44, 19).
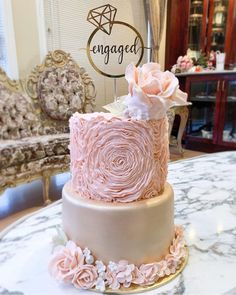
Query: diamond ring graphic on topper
point(103, 17)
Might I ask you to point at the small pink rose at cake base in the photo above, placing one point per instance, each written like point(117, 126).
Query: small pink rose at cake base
point(85, 277)
point(171, 265)
point(151, 92)
point(138, 277)
point(177, 249)
point(65, 261)
point(150, 273)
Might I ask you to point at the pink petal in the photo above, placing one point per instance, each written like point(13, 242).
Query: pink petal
point(151, 66)
point(152, 86)
point(131, 73)
point(71, 246)
point(170, 89)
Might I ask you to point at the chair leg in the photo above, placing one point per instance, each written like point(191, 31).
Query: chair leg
point(183, 113)
point(46, 182)
point(171, 118)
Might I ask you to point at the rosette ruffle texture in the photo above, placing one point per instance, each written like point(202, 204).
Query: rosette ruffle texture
point(71, 264)
point(114, 159)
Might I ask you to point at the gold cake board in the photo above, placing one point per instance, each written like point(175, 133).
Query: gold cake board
point(139, 289)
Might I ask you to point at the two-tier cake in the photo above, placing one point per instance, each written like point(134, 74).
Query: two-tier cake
point(118, 210)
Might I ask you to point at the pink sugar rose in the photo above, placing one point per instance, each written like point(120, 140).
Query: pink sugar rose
point(65, 262)
point(138, 277)
point(85, 277)
point(151, 92)
point(162, 265)
point(150, 273)
point(177, 249)
point(144, 76)
point(119, 274)
point(167, 266)
point(112, 280)
point(179, 231)
point(124, 273)
point(171, 264)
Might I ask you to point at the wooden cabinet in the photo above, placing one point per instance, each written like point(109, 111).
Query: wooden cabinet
point(212, 118)
point(201, 25)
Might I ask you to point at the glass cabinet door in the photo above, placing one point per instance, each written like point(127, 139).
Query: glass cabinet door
point(218, 28)
point(201, 117)
point(195, 24)
point(229, 131)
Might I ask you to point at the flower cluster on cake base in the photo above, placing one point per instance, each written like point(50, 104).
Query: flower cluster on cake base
point(72, 265)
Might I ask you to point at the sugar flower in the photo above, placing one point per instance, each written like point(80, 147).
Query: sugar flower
point(65, 261)
point(151, 92)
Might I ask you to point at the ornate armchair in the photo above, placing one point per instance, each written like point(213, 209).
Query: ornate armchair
point(34, 119)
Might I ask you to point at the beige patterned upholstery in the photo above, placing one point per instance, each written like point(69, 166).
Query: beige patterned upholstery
point(34, 119)
point(61, 92)
point(17, 115)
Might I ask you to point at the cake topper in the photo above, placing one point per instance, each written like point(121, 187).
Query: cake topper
point(121, 43)
point(103, 17)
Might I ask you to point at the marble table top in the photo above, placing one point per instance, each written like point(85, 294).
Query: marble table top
point(205, 204)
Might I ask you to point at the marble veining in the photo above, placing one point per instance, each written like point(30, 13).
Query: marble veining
point(205, 203)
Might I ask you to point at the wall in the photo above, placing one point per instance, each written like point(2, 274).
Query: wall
point(163, 43)
point(26, 35)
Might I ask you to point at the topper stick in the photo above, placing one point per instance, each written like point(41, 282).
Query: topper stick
point(115, 89)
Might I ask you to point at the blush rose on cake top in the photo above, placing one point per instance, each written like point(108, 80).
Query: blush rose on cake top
point(151, 93)
point(118, 210)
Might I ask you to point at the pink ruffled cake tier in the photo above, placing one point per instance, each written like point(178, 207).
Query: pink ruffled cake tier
point(114, 159)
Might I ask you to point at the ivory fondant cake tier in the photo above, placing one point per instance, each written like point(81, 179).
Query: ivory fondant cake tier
point(139, 232)
point(118, 210)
